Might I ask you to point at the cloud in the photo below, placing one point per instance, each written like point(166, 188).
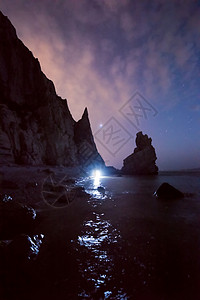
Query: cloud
point(98, 53)
point(153, 42)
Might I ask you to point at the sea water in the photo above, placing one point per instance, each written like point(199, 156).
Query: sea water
point(135, 246)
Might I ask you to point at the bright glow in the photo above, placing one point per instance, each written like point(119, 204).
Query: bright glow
point(97, 176)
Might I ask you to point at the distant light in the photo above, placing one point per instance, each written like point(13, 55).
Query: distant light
point(97, 176)
point(100, 125)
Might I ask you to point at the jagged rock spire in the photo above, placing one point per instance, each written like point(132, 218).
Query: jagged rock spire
point(85, 113)
point(142, 160)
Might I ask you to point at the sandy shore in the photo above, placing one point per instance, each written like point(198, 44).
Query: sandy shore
point(26, 183)
point(106, 247)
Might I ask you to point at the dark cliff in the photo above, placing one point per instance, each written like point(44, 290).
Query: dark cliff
point(142, 160)
point(36, 126)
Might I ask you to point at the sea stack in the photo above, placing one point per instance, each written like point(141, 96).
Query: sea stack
point(36, 126)
point(142, 160)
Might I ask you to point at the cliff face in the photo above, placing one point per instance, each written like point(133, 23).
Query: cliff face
point(142, 160)
point(36, 126)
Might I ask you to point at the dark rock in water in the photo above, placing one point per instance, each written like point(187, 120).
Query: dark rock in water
point(24, 247)
point(80, 191)
point(15, 218)
point(79, 188)
point(167, 191)
point(142, 160)
point(101, 189)
point(5, 198)
point(36, 126)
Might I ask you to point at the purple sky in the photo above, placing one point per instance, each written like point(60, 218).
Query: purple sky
point(115, 57)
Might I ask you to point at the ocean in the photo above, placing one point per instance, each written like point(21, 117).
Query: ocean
point(135, 246)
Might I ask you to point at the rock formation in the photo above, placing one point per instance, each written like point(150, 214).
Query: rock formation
point(87, 152)
point(167, 191)
point(15, 218)
point(142, 160)
point(36, 126)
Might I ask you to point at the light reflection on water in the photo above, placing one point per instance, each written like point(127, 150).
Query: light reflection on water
point(95, 245)
point(95, 242)
point(151, 260)
point(95, 189)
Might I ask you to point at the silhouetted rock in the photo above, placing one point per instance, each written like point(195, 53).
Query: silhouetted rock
point(142, 160)
point(24, 247)
point(80, 192)
point(36, 126)
point(167, 191)
point(15, 218)
point(87, 152)
point(101, 189)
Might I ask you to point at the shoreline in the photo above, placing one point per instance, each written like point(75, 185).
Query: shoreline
point(126, 238)
point(25, 183)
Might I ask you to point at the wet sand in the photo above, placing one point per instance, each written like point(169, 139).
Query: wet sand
point(113, 246)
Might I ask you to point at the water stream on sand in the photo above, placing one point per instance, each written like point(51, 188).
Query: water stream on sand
point(98, 245)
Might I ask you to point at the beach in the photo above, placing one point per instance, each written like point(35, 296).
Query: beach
point(120, 242)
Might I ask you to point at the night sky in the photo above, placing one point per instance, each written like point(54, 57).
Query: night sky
point(134, 64)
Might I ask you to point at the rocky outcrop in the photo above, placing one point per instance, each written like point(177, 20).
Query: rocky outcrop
point(36, 126)
point(24, 248)
point(15, 218)
point(167, 191)
point(142, 160)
